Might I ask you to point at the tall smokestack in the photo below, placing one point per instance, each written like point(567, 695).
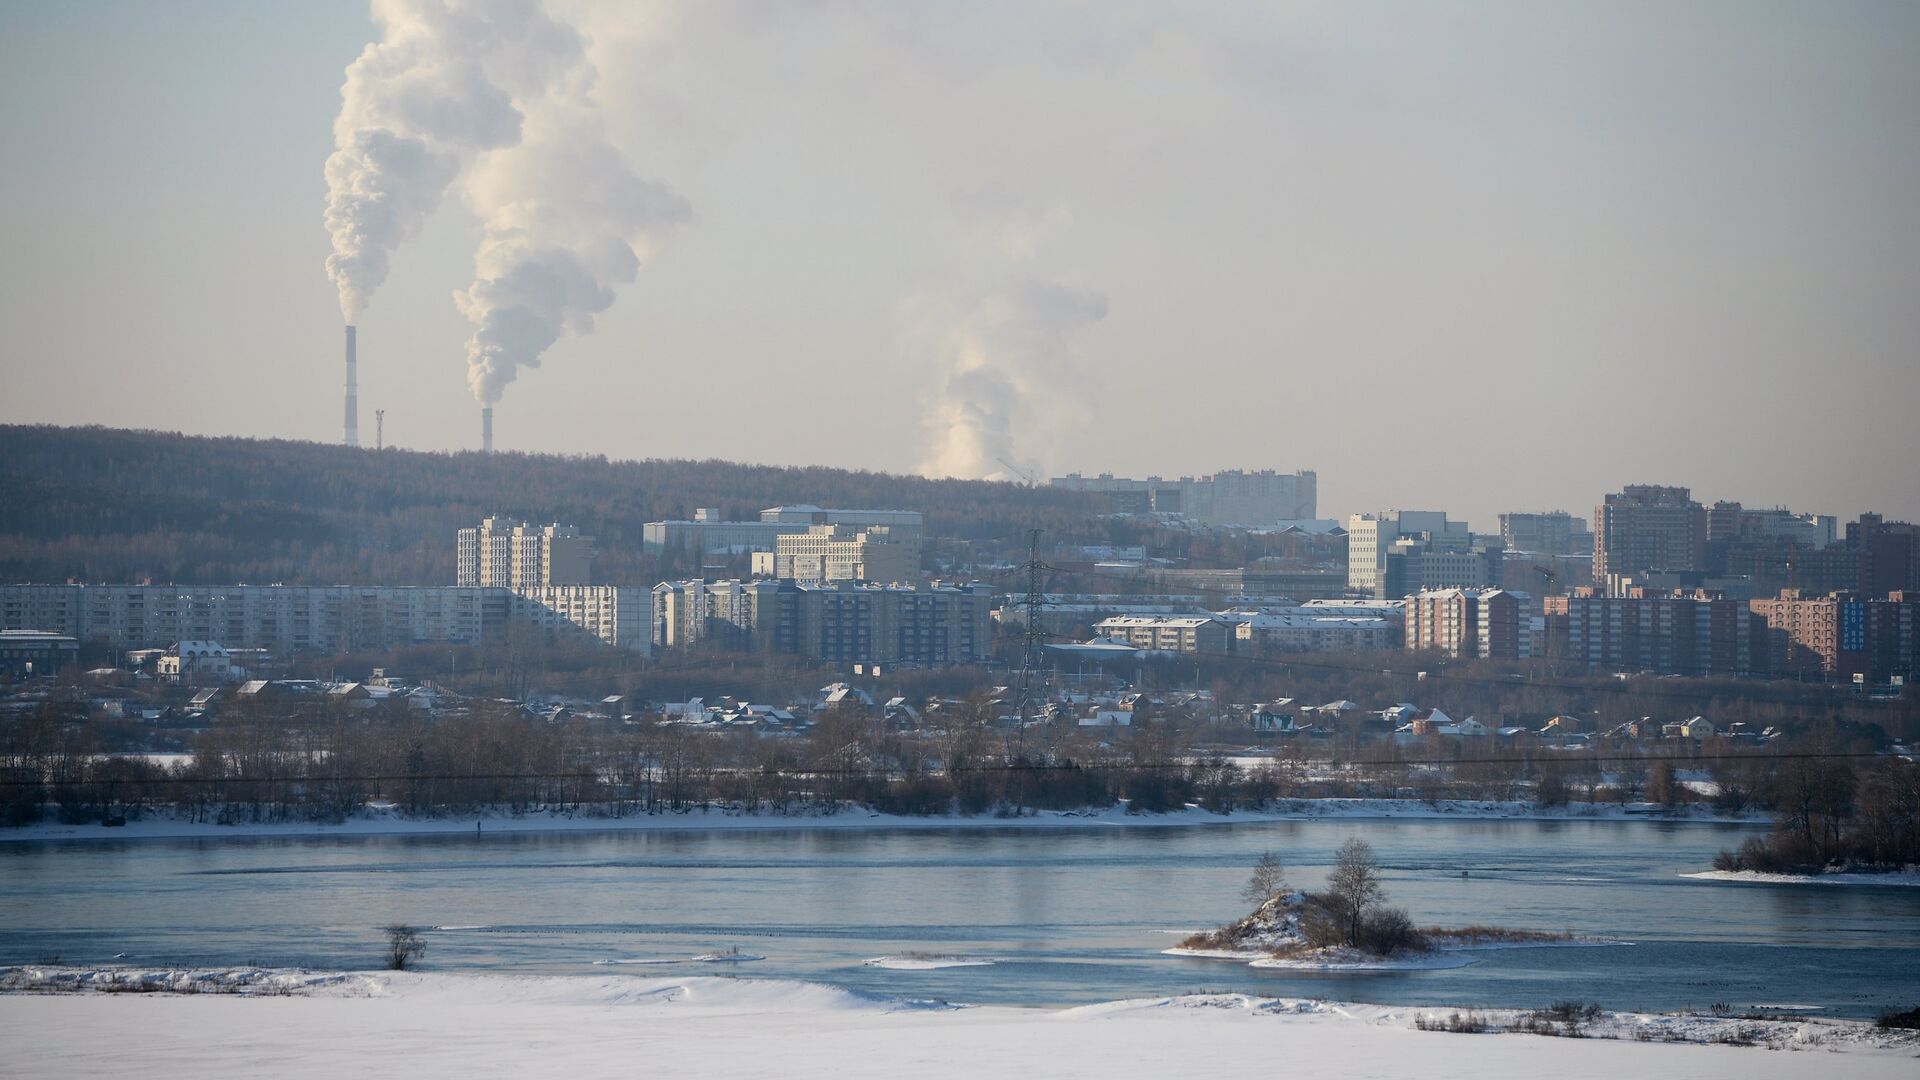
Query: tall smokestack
point(353, 393)
point(486, 429)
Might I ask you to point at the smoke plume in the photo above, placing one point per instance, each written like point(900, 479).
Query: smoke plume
point(566, 219)
point(436, 89)
point(496, 95)
point(1011, 369)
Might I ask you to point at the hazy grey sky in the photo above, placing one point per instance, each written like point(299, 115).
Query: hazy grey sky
point(1466, 257)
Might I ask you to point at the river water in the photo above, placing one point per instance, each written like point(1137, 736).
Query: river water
point(1067, 915)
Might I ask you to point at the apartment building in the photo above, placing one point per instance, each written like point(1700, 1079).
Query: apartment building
point(322, 618)
point(1301, 630)
point(1843, 635)
point(841, 622)
point(508, 554)
point(1646, 527)
point(1485, 624)
point(1179, 633)
point(1672, 633)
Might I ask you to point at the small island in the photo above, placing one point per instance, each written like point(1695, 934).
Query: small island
point(1345, 927)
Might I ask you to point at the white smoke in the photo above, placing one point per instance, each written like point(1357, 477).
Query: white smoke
point(437, 88)
point(566, 219)
point(500, 92)
point(1011, 377)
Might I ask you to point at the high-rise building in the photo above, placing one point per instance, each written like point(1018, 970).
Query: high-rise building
point(513, 555)
point(1890, 554)
point(1646, 527)
point(1484, 624)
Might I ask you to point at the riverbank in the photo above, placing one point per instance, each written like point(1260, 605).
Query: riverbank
point(385, 822)
point(213, 1024)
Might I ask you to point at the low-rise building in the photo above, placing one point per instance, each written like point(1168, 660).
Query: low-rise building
point(1178, 633)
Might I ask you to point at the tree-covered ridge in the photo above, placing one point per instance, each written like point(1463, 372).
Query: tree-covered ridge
point(106, 504)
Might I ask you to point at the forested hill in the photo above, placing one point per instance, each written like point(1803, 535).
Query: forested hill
point(109, 505)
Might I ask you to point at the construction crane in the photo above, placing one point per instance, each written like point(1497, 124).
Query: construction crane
point(1026, 475)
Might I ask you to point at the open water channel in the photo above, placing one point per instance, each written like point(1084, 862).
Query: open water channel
point(1066, 915)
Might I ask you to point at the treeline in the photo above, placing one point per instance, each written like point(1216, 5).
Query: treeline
point(315, 761)
point(104, 504)
point(1830, 816)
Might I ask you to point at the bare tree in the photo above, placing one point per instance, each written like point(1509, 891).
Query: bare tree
point(1353, 888)
point(404, 946)
point(1269, 880)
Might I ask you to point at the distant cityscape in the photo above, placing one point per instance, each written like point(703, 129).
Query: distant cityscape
point(1660, 584)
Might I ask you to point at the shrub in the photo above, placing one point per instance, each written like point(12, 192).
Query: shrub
point(1909, 1020)
point(1387, 931)
point(1457, 1023)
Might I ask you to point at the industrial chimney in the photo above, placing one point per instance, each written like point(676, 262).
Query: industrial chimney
point(353, 400)
point(486, 429)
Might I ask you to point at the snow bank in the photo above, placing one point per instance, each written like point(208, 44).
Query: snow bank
point(427, 1025)
point(1756, 877)
point(432, 1024)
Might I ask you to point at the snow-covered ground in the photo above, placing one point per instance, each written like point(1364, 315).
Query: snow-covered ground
point(376, 822)
point(418, 1025)
point(1894, 877)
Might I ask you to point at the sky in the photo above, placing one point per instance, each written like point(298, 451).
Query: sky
point(1468, 257)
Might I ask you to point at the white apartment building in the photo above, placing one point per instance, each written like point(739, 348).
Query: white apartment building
point(320, 618)
point(509, 554)
point(1299, 631)
point(709, 533)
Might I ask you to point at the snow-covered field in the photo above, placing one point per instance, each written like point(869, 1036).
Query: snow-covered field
point(376, 822)
point(417, 1025)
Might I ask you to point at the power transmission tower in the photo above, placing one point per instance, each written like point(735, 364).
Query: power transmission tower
point(1031, 654)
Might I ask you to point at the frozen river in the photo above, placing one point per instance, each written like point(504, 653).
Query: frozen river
point(1065, 915)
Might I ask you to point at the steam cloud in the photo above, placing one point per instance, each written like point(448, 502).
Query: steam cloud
point(566, 220)
point(1010, 364)
point(500, 92)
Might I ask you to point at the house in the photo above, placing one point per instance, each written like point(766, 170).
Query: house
point(196, 662)
point(350, 695)
point(843, 694)
point(1107, 718)
point(1560, 726)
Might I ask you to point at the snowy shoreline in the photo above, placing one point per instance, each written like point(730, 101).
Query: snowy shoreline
point(393, 824)
point(1839, 877)
point(226, 1022)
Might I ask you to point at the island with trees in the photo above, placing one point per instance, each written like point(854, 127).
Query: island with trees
point(1347, 925)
